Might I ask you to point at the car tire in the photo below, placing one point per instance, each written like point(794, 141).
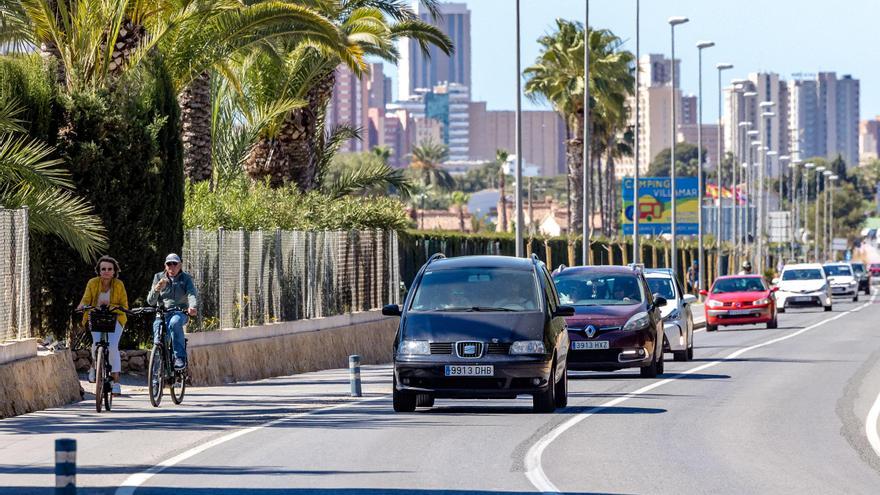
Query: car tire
point(562, 390)
point(403, 401)
point(651, 370)
point(661, 364)
point(680, 355)
point(827, 309)
point(424, 400)
point(545, 402)
point(780, 310)
point(774, 323)
point(711, 328)
point(856, 297)
point(690, 353)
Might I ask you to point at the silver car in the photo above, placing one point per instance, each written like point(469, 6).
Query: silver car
point(678, 321)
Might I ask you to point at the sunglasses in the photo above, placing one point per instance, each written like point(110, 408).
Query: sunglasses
point(172, 263)
point(107, 269)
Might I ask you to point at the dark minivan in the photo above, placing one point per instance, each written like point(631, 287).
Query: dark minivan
point(480, 327)
point(617, 323)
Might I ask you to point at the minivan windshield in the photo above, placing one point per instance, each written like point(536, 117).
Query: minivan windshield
point(802, 274)
point(743, 284)
point(837, 270)
point(593, 289)
point(662, 287)
point(476, 289)
point(858, 268)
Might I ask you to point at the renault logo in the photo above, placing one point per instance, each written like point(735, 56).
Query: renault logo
point(591, 331)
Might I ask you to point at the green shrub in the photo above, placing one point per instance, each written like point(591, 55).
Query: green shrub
point(242, 205)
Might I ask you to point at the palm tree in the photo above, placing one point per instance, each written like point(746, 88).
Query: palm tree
point(28, 177)
point(501, 158)
point(460, 200)
point(369, 27)
point(557, 77)
point(426, 165)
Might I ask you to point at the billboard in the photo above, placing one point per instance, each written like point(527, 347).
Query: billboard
point(655, 205)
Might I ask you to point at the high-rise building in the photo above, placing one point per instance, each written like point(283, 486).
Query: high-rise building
point(688, 110)
point(379, 87)
point(418, 70)
point(349, 105)
point(740, 109)
point(847, 132)
point(824, 116)
point(656, 70)
point(869, 140)
point(805, 130)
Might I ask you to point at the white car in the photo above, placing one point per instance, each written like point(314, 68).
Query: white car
point(803, 284)
point(843, 280)
point(678, 321)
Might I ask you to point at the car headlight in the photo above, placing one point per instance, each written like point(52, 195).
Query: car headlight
point(528, 347)
point(761, 302)
point(637, 321)
point(673, 315)
point(414, 348)
point(712, 303)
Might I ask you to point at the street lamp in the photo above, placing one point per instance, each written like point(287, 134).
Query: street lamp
point(519, 205)
point(751, 173)
point(673, 21)
point(825, 219)
point(762, 200)
point(819, 174)
point(737, 218)
point(793, 205)
point(806, 178)
point(700, 248)
point(718, 233)
point(636, 248)
point(831, 217)
point(585, 244)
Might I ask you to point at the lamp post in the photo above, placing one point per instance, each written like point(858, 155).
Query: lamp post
point(637, 252)
point(673, 21)
point(751, 225)
point(806, 178)
point(737, 217)
point(701, 253)
point(585, 217)
point(793, 205)
point(519, 205)
point(762, 199)
point(825, 219)
point(718, 232)
point(831, 217)
point(819, 175)
point(771, 155)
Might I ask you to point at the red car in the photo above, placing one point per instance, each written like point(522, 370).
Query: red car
point(874, 268)
point(740, 300)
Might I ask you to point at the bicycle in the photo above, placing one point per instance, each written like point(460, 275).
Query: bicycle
point(161, 366)
point(102, 320)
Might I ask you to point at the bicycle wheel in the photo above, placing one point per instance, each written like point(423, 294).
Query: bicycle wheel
point(156, 375)
point(178, 386)
point(99, 378)
point(108, 382)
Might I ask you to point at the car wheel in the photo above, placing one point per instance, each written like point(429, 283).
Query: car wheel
point(690, 353)
point(780, 310)
point(562, 390)
point(424, 400)
point(774, 323)
point(403, 401)
point(545, 402)
point(661, 364)
point(827, 308)
point(711, 328)
point(649, 371)
point(856, 297)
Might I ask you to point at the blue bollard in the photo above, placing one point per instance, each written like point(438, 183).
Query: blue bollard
point(354, 374)
point(65, 466)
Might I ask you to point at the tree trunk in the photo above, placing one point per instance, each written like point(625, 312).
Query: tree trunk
point(574, 159)
point(302, 145)
point(503, 213)
point(461, 217)
point(195, 119)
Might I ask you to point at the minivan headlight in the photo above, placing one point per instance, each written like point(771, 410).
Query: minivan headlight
point(414, 348)
point(713, 303)
point(528, 347)
point(637, 321)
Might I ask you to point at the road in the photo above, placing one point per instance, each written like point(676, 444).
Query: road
point(757, 411)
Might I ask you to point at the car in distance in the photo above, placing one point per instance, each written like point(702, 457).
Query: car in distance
point(617, 322)
point(480, 327)
point(739, 300)
point(678, 321)
point(863, 276)
point(842, 280)
point(874, 268)
point(802, 284)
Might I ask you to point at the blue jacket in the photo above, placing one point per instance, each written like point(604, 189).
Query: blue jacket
point(181, 292)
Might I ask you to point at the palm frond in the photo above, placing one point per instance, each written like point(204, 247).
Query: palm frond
point(24, 162)
point(374, 175)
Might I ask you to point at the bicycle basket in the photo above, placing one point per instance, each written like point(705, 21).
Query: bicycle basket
point(102, 322)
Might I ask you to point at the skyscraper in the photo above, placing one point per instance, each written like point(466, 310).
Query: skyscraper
point(825, 116)
point(416, 70)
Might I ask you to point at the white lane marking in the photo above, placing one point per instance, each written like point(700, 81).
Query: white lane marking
point(871, 426)
point(135, 480)
point(535, 472)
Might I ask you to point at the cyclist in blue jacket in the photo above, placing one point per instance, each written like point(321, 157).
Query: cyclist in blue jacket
point(173, 287)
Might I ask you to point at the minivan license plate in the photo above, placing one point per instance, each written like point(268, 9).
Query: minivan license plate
point(469, 370)
point(580, 345)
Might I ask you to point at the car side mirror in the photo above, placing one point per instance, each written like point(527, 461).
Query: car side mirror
point(775, 281)
point(689, 298)
point(659, 302)
point(774, 289)
point(391, 310)
point(564, 311)
point(704, 293)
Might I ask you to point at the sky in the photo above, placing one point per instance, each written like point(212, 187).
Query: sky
point(782, 36)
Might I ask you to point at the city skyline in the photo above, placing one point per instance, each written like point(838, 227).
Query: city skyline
point(718, 23)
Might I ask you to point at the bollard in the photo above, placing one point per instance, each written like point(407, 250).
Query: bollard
point(354, 374)
point(65, 466)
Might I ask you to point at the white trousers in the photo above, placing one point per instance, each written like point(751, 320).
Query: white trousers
point(113, 339)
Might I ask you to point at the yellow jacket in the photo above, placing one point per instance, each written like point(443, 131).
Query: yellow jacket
point(118, 297)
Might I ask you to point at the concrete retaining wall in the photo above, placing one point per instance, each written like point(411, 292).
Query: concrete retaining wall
point(37, 383)
point(17, 349)
point(253, 353)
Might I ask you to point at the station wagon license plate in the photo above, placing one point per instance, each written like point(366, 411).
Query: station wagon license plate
point(469, 370)
point(582, 345)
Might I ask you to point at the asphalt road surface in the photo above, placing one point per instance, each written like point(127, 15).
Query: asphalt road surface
point(790, 410)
